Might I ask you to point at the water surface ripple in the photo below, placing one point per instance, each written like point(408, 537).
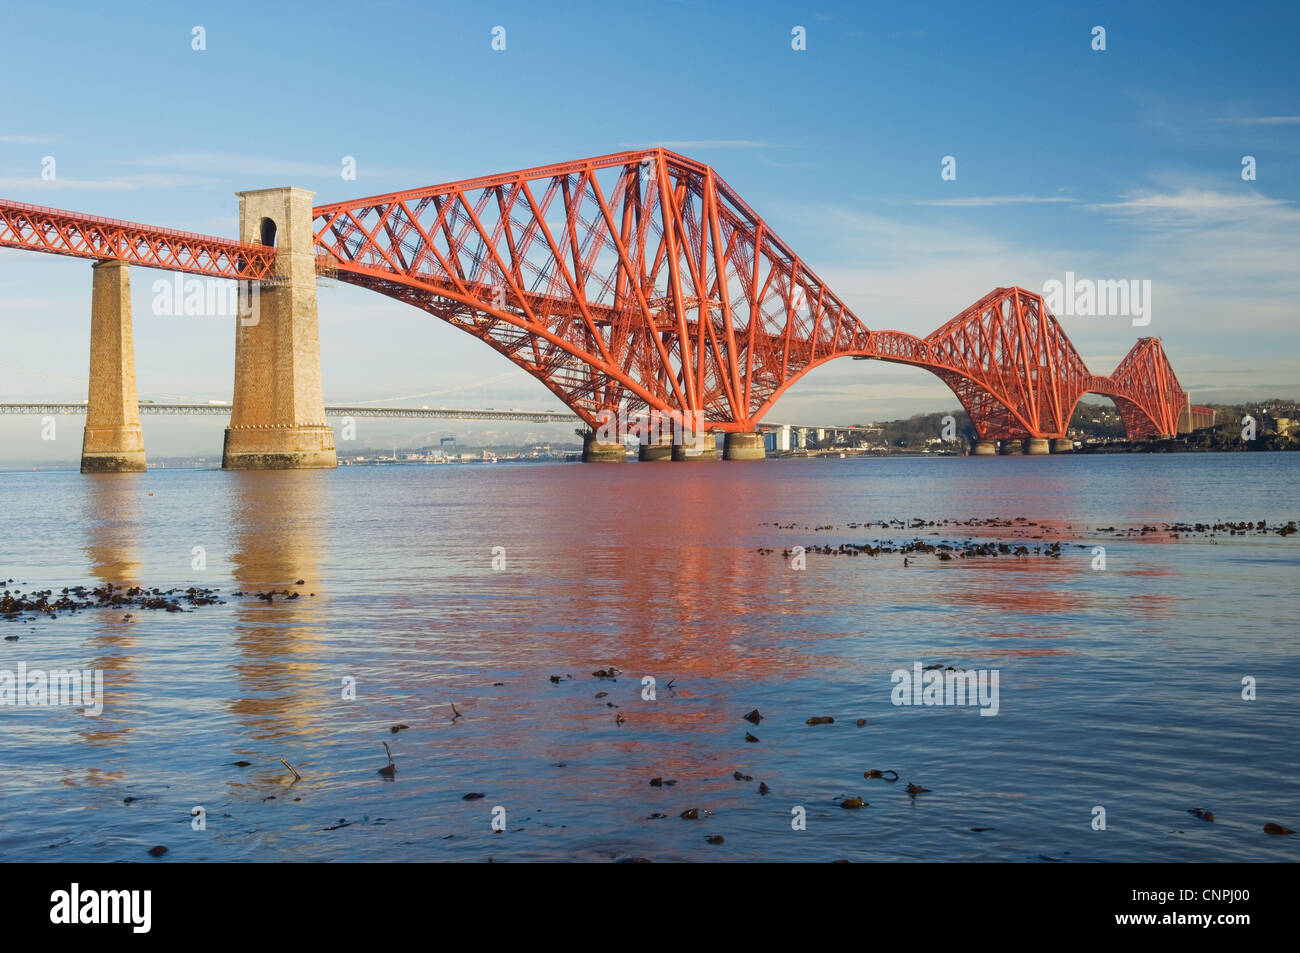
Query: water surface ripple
point(1118, 688)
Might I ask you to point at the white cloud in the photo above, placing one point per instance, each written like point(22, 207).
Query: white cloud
point(117, 183)
point(227, 167)
point(1264, 121)
point(983, 201)
point(676, 144)
point(51, 185)
point(1192, 204)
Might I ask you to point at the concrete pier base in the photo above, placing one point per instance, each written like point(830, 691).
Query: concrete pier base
point(985, 448)
point(279, 448)
point(277, 417)
point(1062, 445)
point(696, 446)
point(743, 446)
point(1011, 448)
point(1037, 446)
point(112, 442)
point(660, 449)
point(593, 451)
point(99, 462)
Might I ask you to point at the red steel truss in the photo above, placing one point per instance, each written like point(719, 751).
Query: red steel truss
point(641, 281)
point(638, 281)
point(36, 228)
point(1146, 391)
point(1017, 374)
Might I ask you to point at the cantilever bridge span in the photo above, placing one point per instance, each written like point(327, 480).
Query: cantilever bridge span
point(629, 283)
point(642, 281)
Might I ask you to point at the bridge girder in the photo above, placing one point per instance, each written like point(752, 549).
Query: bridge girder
point(59, 232)
point(640, 281)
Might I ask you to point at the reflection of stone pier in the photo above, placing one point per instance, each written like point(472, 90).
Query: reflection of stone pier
point(112, 520)
point(276, 541)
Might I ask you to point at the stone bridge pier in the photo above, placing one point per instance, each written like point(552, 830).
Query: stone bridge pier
point(277, 416)
point(113, 442)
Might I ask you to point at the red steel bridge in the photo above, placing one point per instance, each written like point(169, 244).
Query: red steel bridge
point(641, 282)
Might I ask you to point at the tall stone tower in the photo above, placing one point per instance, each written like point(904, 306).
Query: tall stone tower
point(277, 418)
point(113, 442)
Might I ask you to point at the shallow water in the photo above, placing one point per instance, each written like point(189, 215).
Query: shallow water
point(1119, 688)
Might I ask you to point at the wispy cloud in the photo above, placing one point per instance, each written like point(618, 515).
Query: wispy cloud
point(1264, 121)
point(1222, 263)
point(233, 167)
point(711, 144)
point(117, 183)
point(26, 140)
point(1192, 205)
point(229, 165)
point(984, 201)
point(52, 185)
point(1214, 254)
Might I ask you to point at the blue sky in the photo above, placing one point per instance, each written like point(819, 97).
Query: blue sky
point(1115, 164)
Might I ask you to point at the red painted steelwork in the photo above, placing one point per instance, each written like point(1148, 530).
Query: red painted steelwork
point(58, 232)
point(641, 281)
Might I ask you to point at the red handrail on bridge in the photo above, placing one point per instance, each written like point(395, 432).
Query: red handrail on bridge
point(60, 232)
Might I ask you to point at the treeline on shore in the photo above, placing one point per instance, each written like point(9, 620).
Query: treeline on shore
point(1273, 420)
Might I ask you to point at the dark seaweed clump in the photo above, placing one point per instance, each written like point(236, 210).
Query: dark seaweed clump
point(13, 603)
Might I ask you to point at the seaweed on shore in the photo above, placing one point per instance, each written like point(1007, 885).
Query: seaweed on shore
point(943, 550)
point(45, 603)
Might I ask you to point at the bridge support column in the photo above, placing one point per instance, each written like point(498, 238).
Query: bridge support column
point(277, 417)
point(594, 451)
point(697, 445)
point(1037, 446)
point(985, 448)
point(1011, 448)
point(1062, 445)
point(656, 448)
point(743, 446)
point(113, 442)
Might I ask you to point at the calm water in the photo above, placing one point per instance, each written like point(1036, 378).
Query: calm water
point(1118, 688)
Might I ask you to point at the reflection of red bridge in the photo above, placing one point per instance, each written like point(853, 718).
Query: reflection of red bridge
point(637, 281)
